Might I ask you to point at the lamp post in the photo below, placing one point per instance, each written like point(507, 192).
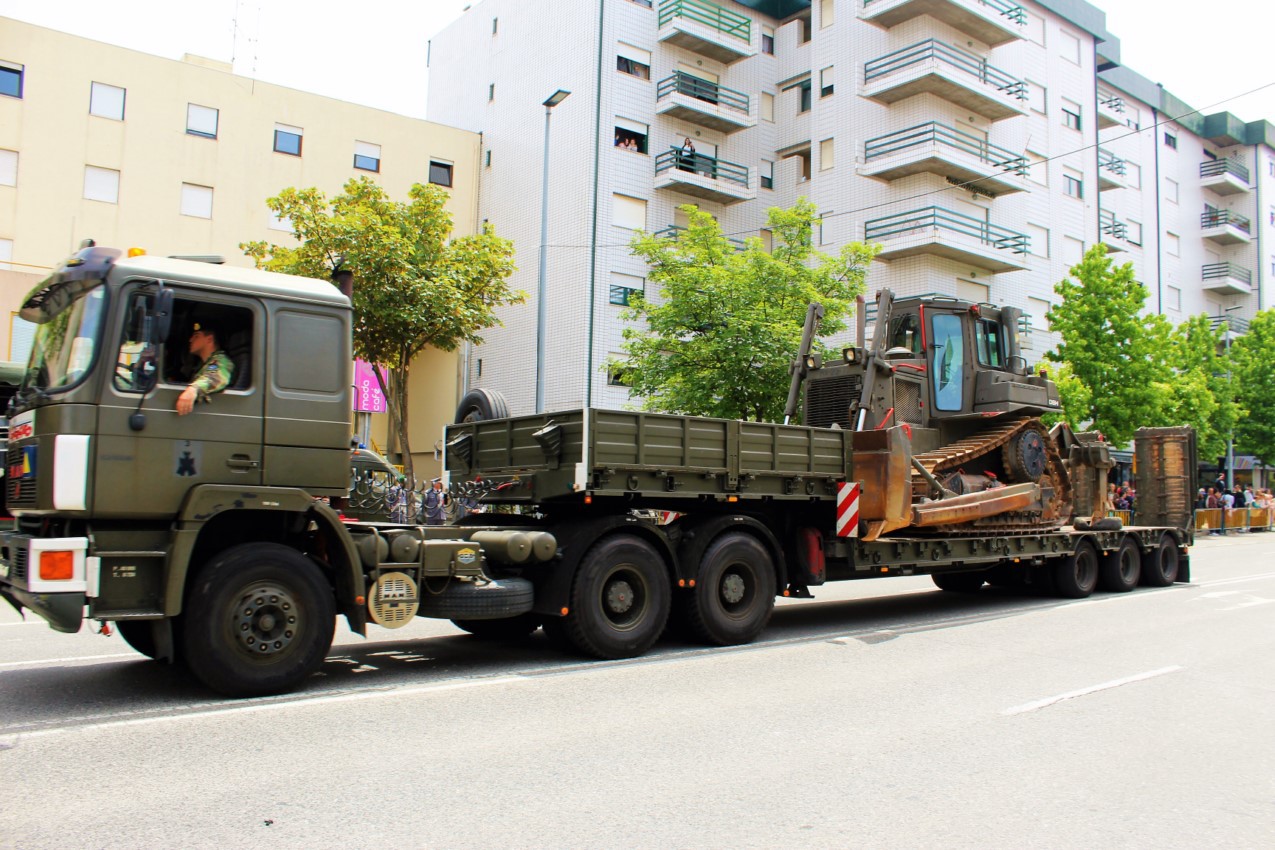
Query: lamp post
point(553, 100)
point(1230, 437)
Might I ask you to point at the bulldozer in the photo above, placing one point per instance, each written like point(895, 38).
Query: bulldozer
point(946, 415)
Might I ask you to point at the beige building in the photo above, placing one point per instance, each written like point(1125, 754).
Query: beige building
point(178, 157)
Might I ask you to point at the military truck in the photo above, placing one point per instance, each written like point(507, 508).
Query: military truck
point(207, 539)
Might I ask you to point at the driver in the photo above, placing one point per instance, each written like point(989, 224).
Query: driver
point(215, 369)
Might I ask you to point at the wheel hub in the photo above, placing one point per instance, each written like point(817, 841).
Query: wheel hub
point(619, 596)
point(733, 588)
point(266, 620)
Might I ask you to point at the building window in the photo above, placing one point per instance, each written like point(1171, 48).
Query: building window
point(10, 79)
point(8, 168)
point(491, 92)
point(1036, 97)
point(623, 286)
point(1134, 236)
point(287, 139)
point(279, 222)
point(825, 155)
point(615, 376)
point(1037, 168)
point(197, 201)
point(1173, 298)
point(1038, 240)
point(440, 173)
point(633, 61)
point(1070, 47)
point(630, 135)
point(767, 106)
point(825, 82)
point(1071, 115)
point(1133, 175)
point(647, 3)
point(804, 92)
point(826, 13)
point(629, 213)
point(487, 158)
point(495, 25)
point(1170, 190)
point(766, 174)
point(101, 184)
point(1170, 141)
point(768, 40)
point(106, 101)
point(767, 238)
point(1073, 185)
point(367, 156)
point(1172, 244)
point(201, 121)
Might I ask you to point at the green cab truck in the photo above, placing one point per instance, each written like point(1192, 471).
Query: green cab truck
point(212, 539)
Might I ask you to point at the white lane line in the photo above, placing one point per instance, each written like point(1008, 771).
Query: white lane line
point(56, 661)
point(1048, 701)
point(1218, 582)
point(257, 708)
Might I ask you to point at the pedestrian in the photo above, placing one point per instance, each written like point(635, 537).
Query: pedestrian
point(396, 500)
point(686, 155)
point(435, 501)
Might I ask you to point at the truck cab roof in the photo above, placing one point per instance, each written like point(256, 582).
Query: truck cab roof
point(256, 281)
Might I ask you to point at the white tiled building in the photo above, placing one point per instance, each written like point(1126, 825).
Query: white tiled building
point(881, 112)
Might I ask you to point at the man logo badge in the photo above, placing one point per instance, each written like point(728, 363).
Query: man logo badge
point(466, 556)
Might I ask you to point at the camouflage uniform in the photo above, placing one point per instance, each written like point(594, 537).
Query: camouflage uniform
point(213, 375)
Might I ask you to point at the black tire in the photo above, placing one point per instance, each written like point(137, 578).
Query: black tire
point(466, 600)
point(619, 599)
point(508, 628)
point(481, 404)
point(139, 635)
point(1076, 575)
point(259, 620)
point(959, 582)
point(734, 592)
point(1110, 523)
point(1160, 565)
point(1122, 567)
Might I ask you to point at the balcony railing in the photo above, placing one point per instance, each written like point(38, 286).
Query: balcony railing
point(992, 22)
point(1011, 11)
point(1112, 102)
point(1112, 163)
point(675, 231)
point(710, 14)
point(1109, 225)
point(932, 49)
point(709, 92)
point(1219, 167)
point(932, 132)
point(901, 224)
point(1222, 271)
point(1225, 218)
point(698, 163)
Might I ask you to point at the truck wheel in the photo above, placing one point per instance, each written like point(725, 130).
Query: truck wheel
point(259, 620)
point(1160, 565)
point(734, 592)
point(466, 600)
point(1076, 575)
point(481, 404)
point(138, 635)
point(959, 582)
point(509, 628)
point(1122, 567)
point(619, 600)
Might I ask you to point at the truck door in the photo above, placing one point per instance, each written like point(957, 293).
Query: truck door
point(947, 362)
point(148, 471)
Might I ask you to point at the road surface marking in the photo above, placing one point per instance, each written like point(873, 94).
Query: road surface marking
point(1234, 580)
point(1253, 600)
point(55, 661)
point(1048, 701)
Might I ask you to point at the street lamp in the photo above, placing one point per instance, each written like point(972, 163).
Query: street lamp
point(1230, 437)
point(553, 100)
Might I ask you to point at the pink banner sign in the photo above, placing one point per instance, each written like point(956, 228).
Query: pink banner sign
point(368, 397)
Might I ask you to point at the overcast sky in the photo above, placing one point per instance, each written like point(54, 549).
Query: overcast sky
point(373, 52)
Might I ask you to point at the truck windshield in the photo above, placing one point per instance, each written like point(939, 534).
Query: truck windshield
point(63, 349)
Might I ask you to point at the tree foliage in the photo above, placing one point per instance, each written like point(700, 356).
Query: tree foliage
point(718, 338)
point(1253, 356)
point(1201, 394)
point(414, 287)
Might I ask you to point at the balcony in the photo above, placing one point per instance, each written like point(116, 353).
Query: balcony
point(675, 231)
point(933, 67)
point(1114, 233)
point(1225, 227)
point(703, 177)
point(936, 148)
point(701, 102)
point(993, 22)
point(1112, 171)
point(1224, 176)
point(1227, 279)
point(1111, 111)
point(944, 233)
point(707, 29)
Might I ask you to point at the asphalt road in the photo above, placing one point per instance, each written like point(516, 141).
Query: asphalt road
point(882, 714)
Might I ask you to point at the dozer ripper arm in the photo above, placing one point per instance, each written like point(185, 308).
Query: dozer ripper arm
point(804, 360)
point(874, 360)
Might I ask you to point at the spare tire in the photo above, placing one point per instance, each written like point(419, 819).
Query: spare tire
point(466, 600)
point(481, 404)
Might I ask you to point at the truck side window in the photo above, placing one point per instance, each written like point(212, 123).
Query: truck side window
point(136, 358)
point(233, 329)
point(949, 362)
point(905, 332)
point(991, 351)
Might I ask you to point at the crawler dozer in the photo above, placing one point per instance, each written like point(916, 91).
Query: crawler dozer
point(947, 420)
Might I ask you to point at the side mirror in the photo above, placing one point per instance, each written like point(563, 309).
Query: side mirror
point(163, 313)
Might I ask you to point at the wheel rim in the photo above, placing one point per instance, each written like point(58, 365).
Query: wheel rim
point(1129, 565)
point(266, 620)
point(736, 590)
point(624, 598)
point(1086, 568)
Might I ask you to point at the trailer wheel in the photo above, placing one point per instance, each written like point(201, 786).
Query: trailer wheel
point(734, 592)
point(1160, 565)
point(1076, 575)
point(619, 600)
point(509, 628)
point(1122, 567)
point(481, 404)
point(259, 620)
point(959, 582)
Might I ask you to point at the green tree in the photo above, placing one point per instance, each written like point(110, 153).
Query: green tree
point(1200, 394)
point(1117, 354)
point(414, 286)
point(1253, 356)
point(718, 339)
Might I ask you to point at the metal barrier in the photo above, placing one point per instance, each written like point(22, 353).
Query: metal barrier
point(1222, 520)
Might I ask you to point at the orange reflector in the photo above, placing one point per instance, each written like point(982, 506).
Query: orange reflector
point(360, 600)
point(136, 252)
point(885, 569)
point(565, 611)
point(57, 566)
point(692, 582)
point(732, 498)
point(785, 593)
point(1018, 560)
point(681, 582)
point(588, 500)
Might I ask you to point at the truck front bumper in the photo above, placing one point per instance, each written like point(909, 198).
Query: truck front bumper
point(50, 575)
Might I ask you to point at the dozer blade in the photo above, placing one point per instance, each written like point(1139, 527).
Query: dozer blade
point(974, 506)
point(883, 461)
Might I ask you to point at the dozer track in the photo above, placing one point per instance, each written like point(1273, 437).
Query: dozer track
point(1054, 481)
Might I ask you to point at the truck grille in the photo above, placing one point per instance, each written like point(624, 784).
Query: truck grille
point(828, 401)
point(19, 492)
point(907, 402)
point(18, 562)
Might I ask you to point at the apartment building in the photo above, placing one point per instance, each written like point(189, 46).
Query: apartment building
point(178, 157)
point(984, 144)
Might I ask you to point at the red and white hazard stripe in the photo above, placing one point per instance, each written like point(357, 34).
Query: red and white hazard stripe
point(848, 509)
